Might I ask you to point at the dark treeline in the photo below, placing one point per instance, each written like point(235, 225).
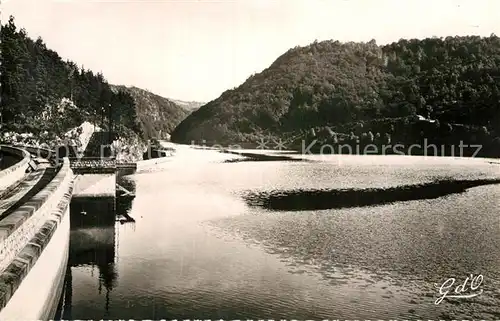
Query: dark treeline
point(364, 92)
point(34, 80)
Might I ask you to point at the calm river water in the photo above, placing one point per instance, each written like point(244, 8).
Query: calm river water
point(198, 249)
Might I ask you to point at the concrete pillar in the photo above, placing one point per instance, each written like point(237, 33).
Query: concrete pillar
point(95, 185)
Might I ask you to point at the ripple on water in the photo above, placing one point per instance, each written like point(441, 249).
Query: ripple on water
point(379, 261)
point(402, 248)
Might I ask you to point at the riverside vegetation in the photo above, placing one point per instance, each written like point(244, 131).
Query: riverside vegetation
point(446, 91)
point(44, 97)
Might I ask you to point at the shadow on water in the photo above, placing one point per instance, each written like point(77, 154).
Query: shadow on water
point(93, 242)
point(301, 200)
point(125, 194)
point(7, 160)
point(90, 212)
point(253, 157)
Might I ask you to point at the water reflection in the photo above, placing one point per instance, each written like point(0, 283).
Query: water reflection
point(7, 160)
point(256, 157)
point(125, 193)
point(199, 251)
point(300, 200)
point(94, 244)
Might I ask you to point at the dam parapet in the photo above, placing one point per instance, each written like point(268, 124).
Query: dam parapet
point(13, 165)
point(34, 237)
point(35, 221)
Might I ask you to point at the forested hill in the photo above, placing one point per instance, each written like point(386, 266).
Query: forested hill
point(41, 92)
point(34, 80)
point(157, 115)
point(455, 80)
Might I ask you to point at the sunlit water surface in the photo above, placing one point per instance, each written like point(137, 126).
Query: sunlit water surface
point(198, 250)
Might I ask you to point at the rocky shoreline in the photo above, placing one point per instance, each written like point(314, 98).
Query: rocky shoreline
point(124, 149)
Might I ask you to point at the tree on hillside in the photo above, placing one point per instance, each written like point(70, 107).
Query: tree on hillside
point(35, 79)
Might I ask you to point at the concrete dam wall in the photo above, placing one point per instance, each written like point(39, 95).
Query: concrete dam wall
point(95, 185)
point(34, 242)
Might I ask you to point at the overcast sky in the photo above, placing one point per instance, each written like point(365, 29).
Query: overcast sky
point(195, 50)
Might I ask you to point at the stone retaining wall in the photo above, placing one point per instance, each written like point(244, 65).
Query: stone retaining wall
point(125, 169)
point(14, 173)
point(25, 232)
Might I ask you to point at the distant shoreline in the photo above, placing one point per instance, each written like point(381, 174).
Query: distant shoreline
point(253, 151)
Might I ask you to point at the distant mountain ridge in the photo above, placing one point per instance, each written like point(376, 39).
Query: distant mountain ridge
point(157, 115)
point(188, 105)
